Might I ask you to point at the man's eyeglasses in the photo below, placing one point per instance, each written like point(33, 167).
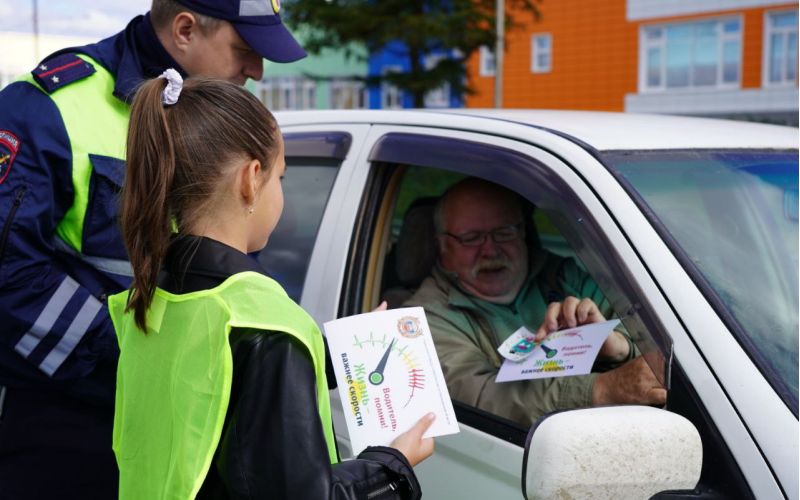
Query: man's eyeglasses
point(477, 238)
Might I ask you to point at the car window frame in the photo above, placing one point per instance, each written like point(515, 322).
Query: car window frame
point(400, 153)
point(321, 149)
point(396, 147)
point(330, 247)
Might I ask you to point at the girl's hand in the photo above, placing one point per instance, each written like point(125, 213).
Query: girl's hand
point(412, 445)
point(381, 307)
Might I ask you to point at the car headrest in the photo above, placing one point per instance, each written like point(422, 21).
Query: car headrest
point(415, 251)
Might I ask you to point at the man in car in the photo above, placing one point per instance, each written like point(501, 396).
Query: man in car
point(62, 149)
point(487, 283)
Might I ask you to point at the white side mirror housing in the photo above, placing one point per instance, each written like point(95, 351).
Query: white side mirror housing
point(610, 452)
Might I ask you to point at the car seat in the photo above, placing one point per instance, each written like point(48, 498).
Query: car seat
point(413, 255)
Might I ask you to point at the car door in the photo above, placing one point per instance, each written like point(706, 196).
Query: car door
point(606, 229)
point(319, 287)
point(319, 162)
point(495, 469)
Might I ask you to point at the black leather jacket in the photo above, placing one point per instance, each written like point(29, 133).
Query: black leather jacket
point(272, 444)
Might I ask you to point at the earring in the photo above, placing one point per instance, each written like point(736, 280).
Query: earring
point(250, 210)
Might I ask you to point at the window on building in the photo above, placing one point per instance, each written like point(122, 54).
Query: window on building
point(693, 55)
point(274, 93)
point(541, 53)
point(439, 97)
point(348, 94)
point(391, 96)
point(308, 95)
point(288, 96)
point(287, 92)
point(780, 48)
point(487, 61)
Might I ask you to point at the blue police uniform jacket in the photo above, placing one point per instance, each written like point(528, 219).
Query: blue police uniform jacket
point(56, 333)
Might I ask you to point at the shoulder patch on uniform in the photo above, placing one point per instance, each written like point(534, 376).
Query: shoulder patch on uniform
point(61, 70)
point(9, 145)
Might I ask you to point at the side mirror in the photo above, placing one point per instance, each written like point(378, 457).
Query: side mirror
point(610, 452)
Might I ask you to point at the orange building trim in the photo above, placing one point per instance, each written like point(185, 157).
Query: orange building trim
point(595, 56)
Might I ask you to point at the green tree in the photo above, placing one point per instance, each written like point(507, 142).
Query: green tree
point(458, 27)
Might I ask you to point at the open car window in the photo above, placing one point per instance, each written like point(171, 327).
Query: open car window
point(409, 170)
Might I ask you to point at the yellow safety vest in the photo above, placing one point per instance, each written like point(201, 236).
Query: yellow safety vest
point(174, 383)
point(96, 123)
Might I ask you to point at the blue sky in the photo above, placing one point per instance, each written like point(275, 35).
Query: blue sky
point(89, 18)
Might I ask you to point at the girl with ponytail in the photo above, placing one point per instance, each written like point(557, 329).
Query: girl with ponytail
point(221, 389)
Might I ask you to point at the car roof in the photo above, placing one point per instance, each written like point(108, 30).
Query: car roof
point(600, 130)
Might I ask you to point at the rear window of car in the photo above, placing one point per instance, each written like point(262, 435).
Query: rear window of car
point(312, 162)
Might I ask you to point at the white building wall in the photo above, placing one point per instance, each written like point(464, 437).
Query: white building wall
point(638, 10)
point(715, 102)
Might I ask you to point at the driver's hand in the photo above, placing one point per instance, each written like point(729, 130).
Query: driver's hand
point(568, 314)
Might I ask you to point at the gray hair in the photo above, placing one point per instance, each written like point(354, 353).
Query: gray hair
point(439, 220)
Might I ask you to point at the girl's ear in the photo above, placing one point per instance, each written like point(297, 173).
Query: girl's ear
point(250, 181)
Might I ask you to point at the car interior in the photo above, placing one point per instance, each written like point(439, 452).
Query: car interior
point(411, 250)
point(408, 255)
point(412, 255)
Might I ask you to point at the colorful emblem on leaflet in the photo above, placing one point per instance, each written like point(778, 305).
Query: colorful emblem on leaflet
point(9, 146)
point(519, 345)
point(408, 327)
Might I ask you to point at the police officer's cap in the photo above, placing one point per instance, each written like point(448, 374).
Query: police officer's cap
point(258, 23)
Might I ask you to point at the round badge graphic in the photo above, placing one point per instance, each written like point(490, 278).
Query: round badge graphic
point(408, 327)
point(276, 5)
point(9, 146)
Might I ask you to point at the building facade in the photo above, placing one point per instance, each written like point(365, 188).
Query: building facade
point(329, 80)
point(724, 58)
point(394, 58)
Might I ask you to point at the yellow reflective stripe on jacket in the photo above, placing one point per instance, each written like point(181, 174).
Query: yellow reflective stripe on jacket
point(173, 384)
point(96, 122)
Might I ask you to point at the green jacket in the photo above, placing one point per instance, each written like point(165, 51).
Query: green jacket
point(468, 330)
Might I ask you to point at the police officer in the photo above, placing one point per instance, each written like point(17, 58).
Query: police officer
point(62, 141)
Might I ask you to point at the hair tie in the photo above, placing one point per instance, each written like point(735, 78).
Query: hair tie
point(173, 89)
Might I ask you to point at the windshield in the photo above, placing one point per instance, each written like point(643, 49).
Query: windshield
point(731, 216)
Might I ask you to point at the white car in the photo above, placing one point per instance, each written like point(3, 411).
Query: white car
point(690, 226)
